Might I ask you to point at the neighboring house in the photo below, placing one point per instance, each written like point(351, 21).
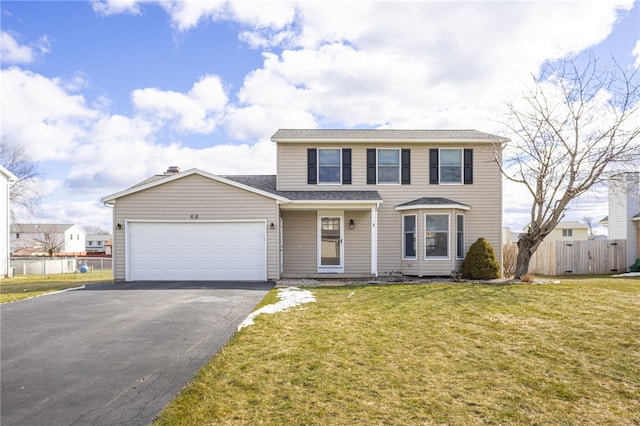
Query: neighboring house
point(7, 179)
point(623, 220)
point(509, 236)
point(569, 231)
point(344, 203)
point(96, 243)
point(41, 239)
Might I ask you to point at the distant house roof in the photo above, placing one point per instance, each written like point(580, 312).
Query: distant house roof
point(569, 224)
point(383, 135)
point(35, 228)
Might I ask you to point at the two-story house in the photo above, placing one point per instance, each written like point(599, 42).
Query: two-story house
point(96, 243)
point(343, 203)
point(43, 239)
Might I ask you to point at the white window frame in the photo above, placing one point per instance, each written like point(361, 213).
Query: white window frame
point(330, 165)
point(460, 232)
point(448, 239)
point(378, 166)
point(415, 237)
point(567, 232)
point(441, 181)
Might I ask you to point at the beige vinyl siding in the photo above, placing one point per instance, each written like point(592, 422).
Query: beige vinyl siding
point(299, 242)
point(357, 242)
point(195, 195)
point(484, 195)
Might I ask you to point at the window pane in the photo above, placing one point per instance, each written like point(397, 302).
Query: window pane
point(388, 166)
point(409, 236)
point(460, 236)
point(329, 167)
point(388, 157)
point(451, 166)
point(437, 236)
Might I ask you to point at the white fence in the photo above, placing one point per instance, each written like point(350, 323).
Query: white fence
point(579, 257)
point(58, 265)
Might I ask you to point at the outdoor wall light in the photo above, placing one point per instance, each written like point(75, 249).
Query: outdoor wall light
point(272, 226)
point(118, 226)
point(352, 224)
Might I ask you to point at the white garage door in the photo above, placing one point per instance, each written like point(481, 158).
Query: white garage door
point(196, 251)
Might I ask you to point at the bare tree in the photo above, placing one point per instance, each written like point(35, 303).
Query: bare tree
point(49, 240)
point(590, 222)
point(576, 124)
point(95, 230)
point(24, 194)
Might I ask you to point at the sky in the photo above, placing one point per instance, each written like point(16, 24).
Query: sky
point(104, 94)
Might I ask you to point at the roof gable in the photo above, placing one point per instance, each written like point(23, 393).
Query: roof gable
point(163, 179)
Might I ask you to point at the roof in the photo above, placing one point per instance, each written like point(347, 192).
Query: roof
point(268, 183)
point(432, 202)
point(571, 224)
point(383, 135)
point(35, 228)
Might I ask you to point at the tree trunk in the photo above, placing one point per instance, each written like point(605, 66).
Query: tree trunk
point(525, 246)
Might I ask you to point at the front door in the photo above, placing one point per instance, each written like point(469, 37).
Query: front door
point(330, 242)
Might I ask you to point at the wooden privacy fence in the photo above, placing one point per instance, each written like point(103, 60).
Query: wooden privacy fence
point(579, 257)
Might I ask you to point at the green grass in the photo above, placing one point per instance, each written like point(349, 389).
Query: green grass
point(25, 286)
point(459, 354)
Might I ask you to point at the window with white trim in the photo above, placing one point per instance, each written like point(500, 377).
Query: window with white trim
point(329, 166)
point(567, 232)
point(459, 236)
point(450, 165)
point(436, 233)
point(409, 236)
point(388, 166)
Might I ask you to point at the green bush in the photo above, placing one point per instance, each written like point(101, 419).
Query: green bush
point(480, 262)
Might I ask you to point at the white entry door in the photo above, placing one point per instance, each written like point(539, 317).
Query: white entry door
point(330, 242)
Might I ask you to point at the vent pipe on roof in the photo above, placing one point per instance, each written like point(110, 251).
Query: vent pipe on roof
point(172, 170)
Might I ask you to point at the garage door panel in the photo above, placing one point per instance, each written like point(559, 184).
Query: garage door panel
point(197, 251)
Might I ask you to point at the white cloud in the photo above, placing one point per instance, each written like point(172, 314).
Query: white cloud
point(112, 7)
point(636, 53)
point(197, 111)
point(38, 113)
point(12, 52)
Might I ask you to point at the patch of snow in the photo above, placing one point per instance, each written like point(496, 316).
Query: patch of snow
point(628, 274)
point(289, 298)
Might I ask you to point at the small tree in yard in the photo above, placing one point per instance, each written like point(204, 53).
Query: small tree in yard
point(480, 262)
point(576, 125)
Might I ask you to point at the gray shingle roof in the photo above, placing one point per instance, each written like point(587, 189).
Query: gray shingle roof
point(384, 135)
point(431, 201)
point(268, 183)
point(36, 228)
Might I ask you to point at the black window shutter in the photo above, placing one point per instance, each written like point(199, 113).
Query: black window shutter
point(312, 166)
point(433, 166)
point(406, 167)
point(371, 166)
point(468, 166)
point(346, 166)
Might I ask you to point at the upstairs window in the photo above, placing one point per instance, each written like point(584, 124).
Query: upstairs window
point(451, 166)
point(329, 166)
point(567, 232)
point(388, 166)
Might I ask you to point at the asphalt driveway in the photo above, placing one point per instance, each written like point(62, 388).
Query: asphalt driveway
point(112, 354)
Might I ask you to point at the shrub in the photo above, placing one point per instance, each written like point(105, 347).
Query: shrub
point(509, 259)
point(480, 262)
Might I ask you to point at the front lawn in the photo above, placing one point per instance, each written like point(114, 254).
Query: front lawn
point(25, 286)
point(457, 354)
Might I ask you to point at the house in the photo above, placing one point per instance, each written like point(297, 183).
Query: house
point(343, 203)
point(7, 179)
point(623, 220)
point(47, 239)
point(569, 231)
point(96, 243)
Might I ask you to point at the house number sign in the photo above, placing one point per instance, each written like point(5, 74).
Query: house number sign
point(194, 216)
